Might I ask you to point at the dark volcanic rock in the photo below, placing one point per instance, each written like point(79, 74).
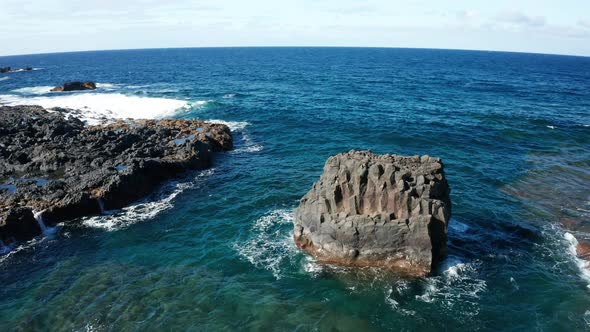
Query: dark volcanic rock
point(10, 70)
point(67, 170)
point(75, 86)
point(18, 222)
point(377, 210)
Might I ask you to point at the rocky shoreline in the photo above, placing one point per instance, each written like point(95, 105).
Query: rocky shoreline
point(55, 169)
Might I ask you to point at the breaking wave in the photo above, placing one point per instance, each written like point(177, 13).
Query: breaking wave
point(145, 209)
point(233, 125)
point(94, 108)
point(34, 90)
point(583, 265)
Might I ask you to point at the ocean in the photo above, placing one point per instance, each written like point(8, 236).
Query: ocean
point(213, 250)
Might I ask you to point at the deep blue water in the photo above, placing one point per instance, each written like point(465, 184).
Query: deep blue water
point(212, 250)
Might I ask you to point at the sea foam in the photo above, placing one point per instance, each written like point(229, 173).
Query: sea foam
point(458, 284)
point(97, 107)
point(270, 247)
point(583, 265)
point(34, 90)
point(147, 208)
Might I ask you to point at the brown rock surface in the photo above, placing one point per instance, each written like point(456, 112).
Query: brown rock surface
point(377, 210)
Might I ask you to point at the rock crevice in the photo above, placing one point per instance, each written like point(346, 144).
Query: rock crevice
point(377, 210)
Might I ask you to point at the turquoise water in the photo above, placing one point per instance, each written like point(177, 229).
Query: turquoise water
point(213, 250)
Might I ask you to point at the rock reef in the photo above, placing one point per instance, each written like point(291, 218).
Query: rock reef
point(377, 210)
point(63, 169)
point(75, 86)
point(10, 70)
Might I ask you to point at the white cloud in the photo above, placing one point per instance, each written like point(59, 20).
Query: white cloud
point(28, 26)
point(519, 18)
point(467, 15)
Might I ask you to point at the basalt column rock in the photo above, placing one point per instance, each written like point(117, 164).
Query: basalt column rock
point(377, 210)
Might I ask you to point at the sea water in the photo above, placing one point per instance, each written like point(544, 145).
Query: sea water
point(213, 250)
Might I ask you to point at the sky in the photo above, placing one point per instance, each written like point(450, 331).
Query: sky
point(539, 26)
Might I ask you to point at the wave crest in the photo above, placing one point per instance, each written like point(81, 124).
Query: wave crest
point(94, 108)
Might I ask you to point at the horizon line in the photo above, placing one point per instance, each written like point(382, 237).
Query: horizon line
point(288, 46)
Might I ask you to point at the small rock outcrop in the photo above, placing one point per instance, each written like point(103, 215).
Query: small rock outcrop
point(10, 70)
point(377, 210)
point(75, 86)
point(64, 169)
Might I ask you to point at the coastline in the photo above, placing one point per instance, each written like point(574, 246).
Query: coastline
point(56, 169)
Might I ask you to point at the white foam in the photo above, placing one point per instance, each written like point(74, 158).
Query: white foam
point(34, 90)
point(46, 89)
point(233, 125)
point(239, 126)
point(107, 86)
point(14, 248)
point(249, 148)
point(196, 104)
point(96, 107)
point(458, 226)
point(389, 300)
point(148, 208)
point(458, 284)
point(453, 272)
point(583, 265)
point(401, 287)
point(270, 245)
point(312, 267)
point(551, 127)
point(4, 78)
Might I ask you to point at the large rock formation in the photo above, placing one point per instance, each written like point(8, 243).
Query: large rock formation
point(67, 170)
point(75, 86)
point(377, 210)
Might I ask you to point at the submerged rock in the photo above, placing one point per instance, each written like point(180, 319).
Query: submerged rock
point(75, 86)
point(377, 210)
point(67, 170)
point(10, 70)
